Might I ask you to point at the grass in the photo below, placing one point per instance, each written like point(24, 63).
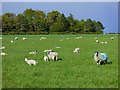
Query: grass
point(73, 71)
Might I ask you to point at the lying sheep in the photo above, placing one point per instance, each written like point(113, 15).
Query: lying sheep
point(76, 50)
point(2, 47)
point(30, 62)
point(16, 38)
point(100, 58)
point(34, 52)
point(3, 54)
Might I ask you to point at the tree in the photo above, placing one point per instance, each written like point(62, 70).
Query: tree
point(8, 22)
point(39, 21)
point(71, 21)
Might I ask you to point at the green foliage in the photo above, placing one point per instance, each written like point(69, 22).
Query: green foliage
point(38, 21)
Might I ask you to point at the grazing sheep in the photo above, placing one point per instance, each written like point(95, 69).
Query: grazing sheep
point(24, 39)
point(30, 62)
point(100, 58)
point(52, 55)
point(46, 58)
point(34, 52)
point(76, 50)
point(16, 38)
point(3, 54)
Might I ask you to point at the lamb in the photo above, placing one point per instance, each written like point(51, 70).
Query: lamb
point(31, 62)
point(3, 54)
point(46, 58)
point(76, 50)
point(100, 58)
point(34, 52)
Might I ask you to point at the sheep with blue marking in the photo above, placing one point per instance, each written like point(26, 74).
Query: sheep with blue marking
point(100, 58)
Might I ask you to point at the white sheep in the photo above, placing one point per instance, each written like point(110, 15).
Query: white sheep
point(76, 50)
point(97, 41)
point(24, 38)
point(112, 38)
point(46, 58)
point(53, 56)
point(34, 52)
point(30, 62)
point(11, 41)
point(42, 38)
point(16, 38)
point(2, 47)
point(3, 54)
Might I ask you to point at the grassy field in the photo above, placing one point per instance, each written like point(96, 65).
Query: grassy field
point(73, 71)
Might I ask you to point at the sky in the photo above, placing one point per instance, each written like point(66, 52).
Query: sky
point(105, 12)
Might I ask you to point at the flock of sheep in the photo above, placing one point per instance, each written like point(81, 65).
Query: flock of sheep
point(53, 56)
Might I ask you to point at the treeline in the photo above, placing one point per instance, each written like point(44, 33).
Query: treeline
point(38, 22)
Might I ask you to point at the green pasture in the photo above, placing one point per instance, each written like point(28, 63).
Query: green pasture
point(72, 71)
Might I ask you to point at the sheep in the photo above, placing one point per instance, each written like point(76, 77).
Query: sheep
point(112, 38)
point(53, 56)
point(30, 62)
point(3, 54)
point(34, 52)
point(42, 38)
point(46, 58)
point(50, 50)
point(16, 38)
point(97, 41)
point(24, 39)
point(67, 38)
point(76, 50)
point(2, 47)
point(100, 58)
point(11, 41)
point(0, 38)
